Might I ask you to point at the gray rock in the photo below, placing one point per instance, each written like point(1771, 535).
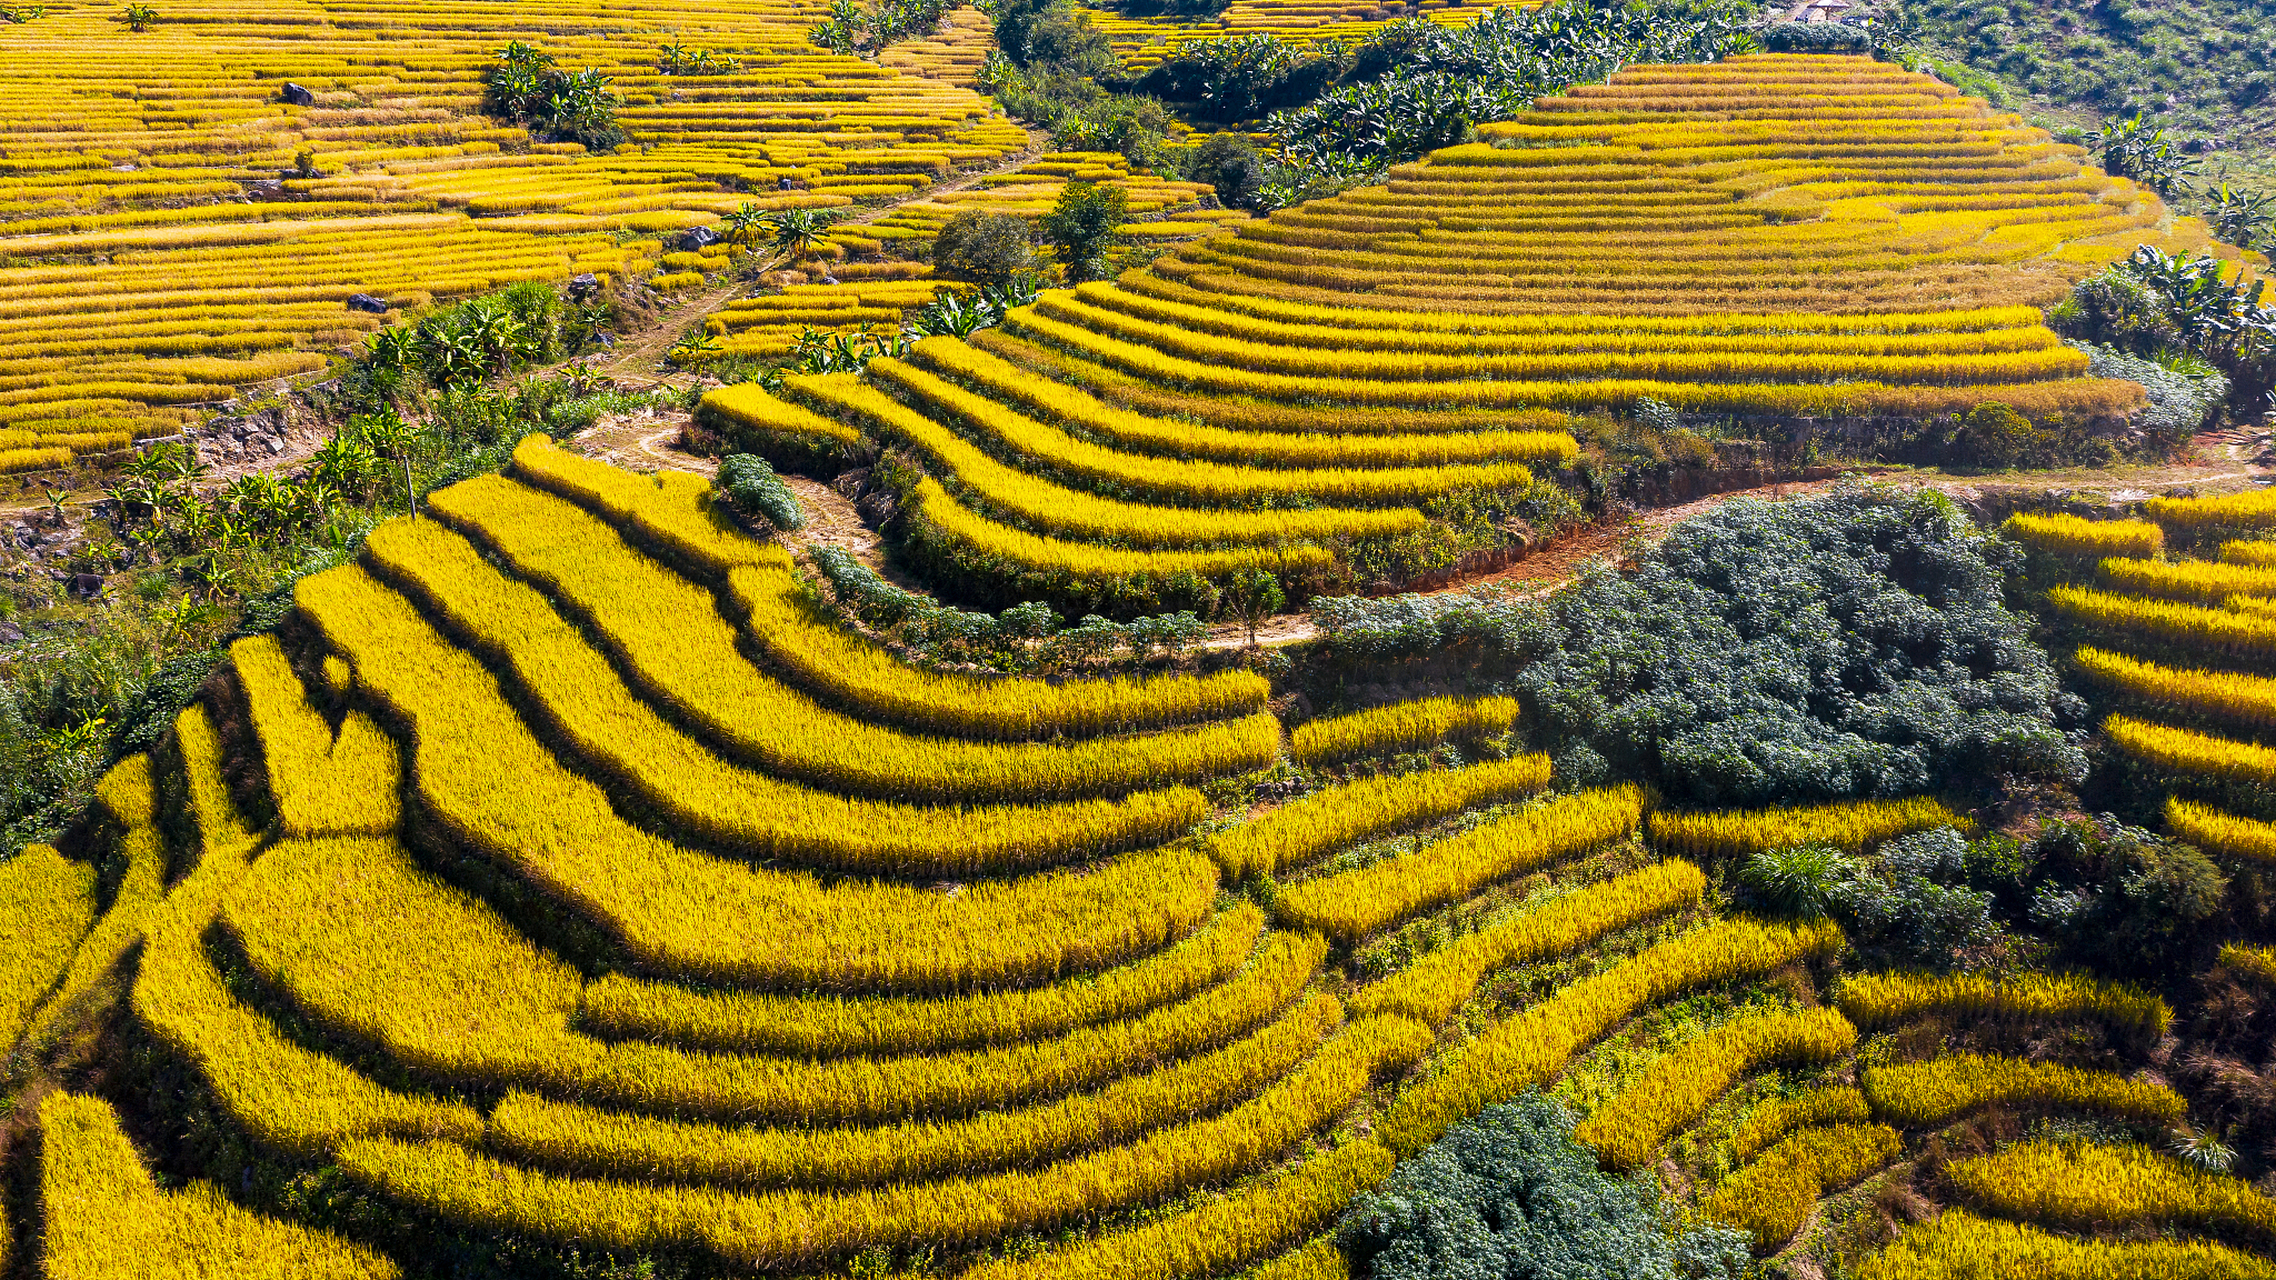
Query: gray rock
point(366, 302)
point(10, 633)
point(86, 586)
point(296, 96)
point(700, 238)
point(583, 287)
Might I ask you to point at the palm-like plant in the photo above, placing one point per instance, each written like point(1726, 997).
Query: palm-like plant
point(745, 227)
point(797, 233)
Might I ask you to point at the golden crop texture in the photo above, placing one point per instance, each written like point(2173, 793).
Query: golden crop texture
point(1877, 1000)
point(1303, 830)
point(104, 1218)
point(1680, 1086)
point(2226, 695)
point(2088, 1186)
point(1402, 726)
point(1932, 1092)
point(1958, 1243)
point(1352, 904)
point(1773, 1196)
point(2075, 536)
point(1850, 824)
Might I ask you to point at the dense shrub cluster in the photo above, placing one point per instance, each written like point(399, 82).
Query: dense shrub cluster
point(2173, 324)
point(751, 487)
point(1024, 637)
point(1910, 905)
point(526, 88)
point(1849, 644)
point(1510, 1196)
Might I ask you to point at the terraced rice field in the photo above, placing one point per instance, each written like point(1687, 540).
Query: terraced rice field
point(1770, 236)
point(171, 229)
point(1142, 40)
point(2177, 621)
point(873, 296)
point(512, 885)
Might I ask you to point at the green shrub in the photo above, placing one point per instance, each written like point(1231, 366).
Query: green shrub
point(750, 486)
point(983, 248)
point(1509, 1195)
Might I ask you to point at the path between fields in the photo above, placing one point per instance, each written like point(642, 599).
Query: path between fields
point(634, 360)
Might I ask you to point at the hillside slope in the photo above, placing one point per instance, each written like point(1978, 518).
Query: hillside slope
point(2202, 68)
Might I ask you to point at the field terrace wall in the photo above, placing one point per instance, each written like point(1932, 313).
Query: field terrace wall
point(161, 243)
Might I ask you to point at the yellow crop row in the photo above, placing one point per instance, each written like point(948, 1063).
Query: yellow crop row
point(789, 1229)
point(103, 1217)
point(1186, 482)
point(1302, 830)
point(47, 902)
point(321, 785)
point(588, 703)
point(1350, 905)
point(1207, 318)
point(488, 782)
point(1680, 1086)
point(128, 794)
point(670, 514)
point(1433, 987)
point(673, 513)
point(2162, 620)
point(2228, 695)
point(1771, 1198)
point(2088, 1186)
point(361, 940)
point(1057, 509)
point(669, 632)
point(281, 1094)
point(1056, 401)
point(2222, 833)
point(1402, 726)
point(1932, 1092)
point(1876, 1000)
point(1255, 368)
point(2068, 535)
point(571, 1136)
point(996, 544)
point(628, 1008)
point(1223, 1233)
point(1533, 1046)
point(807, 644)
point(1356, 315)
point(750, 407)
point(2185, 751)
point(2207, 582)
point(1958, 1243)
point(2259, 553)
point(2254, 962)
point(1834, 1104)
point(2252, 510)
point(1851, 824)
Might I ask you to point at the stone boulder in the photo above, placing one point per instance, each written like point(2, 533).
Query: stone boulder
point(296, 96)
point(366, 302)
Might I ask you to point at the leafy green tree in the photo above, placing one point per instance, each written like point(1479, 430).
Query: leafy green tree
point(1081, 227)
point(1254, 595)
point(983, 248)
